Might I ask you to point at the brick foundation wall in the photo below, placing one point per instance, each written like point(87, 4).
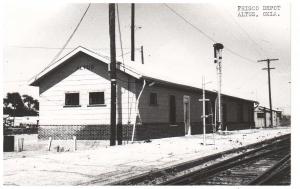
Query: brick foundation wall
point(102, 132)
point(159, 130)
point(143, 132)
point(239, 125)
point(82, 132)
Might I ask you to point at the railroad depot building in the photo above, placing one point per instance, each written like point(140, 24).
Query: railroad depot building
point(262, 117)
point(75, 100)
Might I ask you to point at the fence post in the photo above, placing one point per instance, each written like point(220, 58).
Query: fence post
point(75, 143)
point(49, 144)
point(20, 144)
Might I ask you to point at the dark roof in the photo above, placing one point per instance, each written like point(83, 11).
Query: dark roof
point(129, 70)
point(267, 109)
point(190, 88)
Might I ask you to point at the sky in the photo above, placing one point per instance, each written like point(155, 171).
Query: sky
point(173, 49)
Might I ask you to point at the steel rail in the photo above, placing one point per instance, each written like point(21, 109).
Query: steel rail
point(271, 172)
point(193, 177)
point(139, 179)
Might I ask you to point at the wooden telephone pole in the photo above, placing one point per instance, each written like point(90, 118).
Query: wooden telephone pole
point(113, 75)
point(269, 84)
point(204, 116)
point(142, 54)
point(132, 31)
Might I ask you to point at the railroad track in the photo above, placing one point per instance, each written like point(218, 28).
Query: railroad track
point(278, 174)
point(188, 173)
point(255, 167)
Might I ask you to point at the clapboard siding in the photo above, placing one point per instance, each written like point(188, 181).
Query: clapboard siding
point(84, 74)
point(232, 111)
point(68, 78)
point(233, 108)
point(160, 113)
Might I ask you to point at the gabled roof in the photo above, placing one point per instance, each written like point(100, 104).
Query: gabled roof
point(262, 108)
point(134, 72)
point(190, 88)
point(105, 59)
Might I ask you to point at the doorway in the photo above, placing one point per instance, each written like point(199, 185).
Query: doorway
point(187, 115)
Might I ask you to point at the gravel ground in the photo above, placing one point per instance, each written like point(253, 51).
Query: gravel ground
point(96, 163)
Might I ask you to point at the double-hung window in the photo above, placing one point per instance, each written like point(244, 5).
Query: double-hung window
point(153, 99)
point(96, 98)
point(72, 99)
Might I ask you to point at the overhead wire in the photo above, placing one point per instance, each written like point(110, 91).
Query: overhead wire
point(55, 48)
point(213, 40)
point(129, 105)
point(68, 40)
point(254, 73)
point(71, 36)
point(246, 33)
point(191, 24)
point(120, 35)
point(136, 49)
point(208, 36)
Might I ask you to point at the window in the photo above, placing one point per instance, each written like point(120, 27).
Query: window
point(153, 99)
point(172, 109)
point(96, 98)
point(72, 99)
point(260, 115)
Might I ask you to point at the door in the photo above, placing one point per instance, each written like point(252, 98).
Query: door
point(186, 110)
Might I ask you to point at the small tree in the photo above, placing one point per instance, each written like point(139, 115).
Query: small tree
point(16, 102)
point(15, 105)
point(32, 105)
point(6, 108)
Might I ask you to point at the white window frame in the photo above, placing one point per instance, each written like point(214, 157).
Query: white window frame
point(71, 92)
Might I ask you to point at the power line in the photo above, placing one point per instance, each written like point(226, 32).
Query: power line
point(195, 27)
point(247, 34)
point(269, 84)
point(209, 37)
point(120, 35)
point(122, 54)
point(37, 47)
point(137, 49)
point(69, 39)
point(241, 56)
point(57, 48)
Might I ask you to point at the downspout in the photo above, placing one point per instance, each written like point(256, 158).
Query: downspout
point(256, 104)
point(136, 110)
point(215, 129)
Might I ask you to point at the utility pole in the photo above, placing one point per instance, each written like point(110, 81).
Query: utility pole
point(112, 74)
point(132, 31)
point(142, 54)
point(269, 84)
point(218, 59)
point(203, 110)
point(204, 116)
point(265, 118)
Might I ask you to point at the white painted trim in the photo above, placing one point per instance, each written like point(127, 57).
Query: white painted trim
point(96, 91)
point(104, 59)
point(72, 92)
point(187, 99)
